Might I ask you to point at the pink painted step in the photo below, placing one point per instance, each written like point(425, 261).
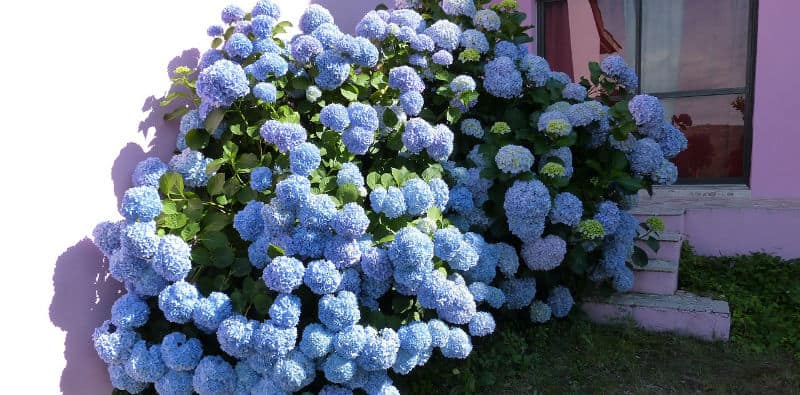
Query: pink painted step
point(674, 220)
point(669, 249)
point(658, 277)
point(682, 313)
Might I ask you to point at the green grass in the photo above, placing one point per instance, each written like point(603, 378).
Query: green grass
point(574, 356)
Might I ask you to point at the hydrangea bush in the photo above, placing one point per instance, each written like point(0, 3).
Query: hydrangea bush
point(341, 207)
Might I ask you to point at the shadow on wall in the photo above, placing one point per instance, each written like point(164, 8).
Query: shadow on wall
point(84, 292)
point(348, 13)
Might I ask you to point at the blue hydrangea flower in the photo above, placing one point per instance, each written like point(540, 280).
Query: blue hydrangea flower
point(147, 283)
point(608, 215)
point(544, 254)
point(181, 353)
point(129, 311)
point(272, 339)
point(283, 274)
point(645, 156)
point(317, 211)
point(472, 127)
point(502, 79)
point(441, 193)
point(317, 341)
point(209, 312)
point(284, 135)
point(238, 46)
point(314, 16)
point(261, 179)
point(268, 63)
point(285, 310)
point(418, 196)
point(507, 49)
point(372, 26)
point(305, 48)
point(459, 344)
point(339, 311)
point(414, 337)
point(364, 53)
point(113, 344)
point(462, 83)
point(261, 26)
point(139, 239)
point(178, 301)
point(440, 332)
point(313, 93)
point(666, 173)
point(417, 135)
point(461, 200)
point(232, 13)
point(474, 39)
point(293, 372)
point(412, 102)
point(266, 7)
point(339, 369)
point(487, 20)
point(507, 259)
point(304, 158)
point(560, 77)
point(526, 205)
point(191, 165)
point(514, 159)
point(458, 7)
point(350, 341)
point(351, 222)
point(362, 116)
point(329, 36)
point(148, 172)
point(519, 292)
point(106, 236)
point(173, 258)
point(174, 383)
point(335, 116)
point(422, 43)
point(120, 379)
point(482, 324)
point(445, 34)
point(342, 252)
point(141, 204)
point(265, 92)
point(410, 248)
point(351, 281)
point(222, 83)
point(536, 69)
point(209, 57)
point(442, 144)
point(375, 264)
point(248, 221)
point(614, 66)
point(215, 30)
point(567, 209)
point(406, 34)
point(294, 191)
point(442, 57)
point(554, 123)
point(404, 79)
point(564, 155)
point(235, 335)
point(672, 141)
point(350, 174)
point(380, 350)
point(560, 301)
point(646, 110)
point(540, 312)
point(408, 18)
point(214, 375)
point(574, 92)
point(333, 70)
point(145, 363)
point(623, 279)
point(358, 140)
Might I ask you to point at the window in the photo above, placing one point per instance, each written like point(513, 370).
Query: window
point(696, 55)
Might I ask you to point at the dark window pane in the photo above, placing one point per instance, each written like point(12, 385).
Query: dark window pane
point(714, 126)
point(694, 44)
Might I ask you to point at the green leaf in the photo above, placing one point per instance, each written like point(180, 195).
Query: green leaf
point(197, 139)
point(222, 257)
point(639, 257)
point(453, 115)
point(594, 71)
point(653, 243)
point(215, 184)
point(216, 221)
point(214, 166)
point(214, 118)
point(168, 207)
point(171, 183)
point(390, 118)
point(201, 256)
point(216, 42)
point(433, 171)
point(347, 193)
point(577, 259)
point(190, 230)
point(618, 160)
point(373, 179)
point(247, 161)
point(435, 214)
point(241, 267)
point(387, 180)
point(275, 251)
point(173, 221)
point(214, 240)
point(176, 113)
point(246, 194)
point(350, 92)
point(281, 27)
point(231, 187)
point(262, 302)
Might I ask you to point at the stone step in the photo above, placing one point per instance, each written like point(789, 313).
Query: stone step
point(669, 248)
point(674, 220)
point(682, 313)
point(658, 277)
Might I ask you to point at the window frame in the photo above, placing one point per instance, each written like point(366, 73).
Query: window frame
point(748, 90)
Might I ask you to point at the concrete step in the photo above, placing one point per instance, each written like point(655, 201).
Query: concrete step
point(658, 277)
point(682, 313)
point(669, 249)
point(674, 220)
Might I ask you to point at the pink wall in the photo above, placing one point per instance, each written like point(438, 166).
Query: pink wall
point(776, 134)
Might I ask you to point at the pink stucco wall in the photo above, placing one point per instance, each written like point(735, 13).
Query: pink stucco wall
point(776, 134)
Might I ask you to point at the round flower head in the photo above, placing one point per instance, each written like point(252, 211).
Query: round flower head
point(482, 324)
point(445, 34)
point(342, 252)
point(461, 200)
point(293, 372)
point(147, 283)
point(487, 20)
point(141, 204)
point(283, 274)
point(380, 350)
point(462, 83)
point(238, 46)
point(441, 193)
point(235, 335)
point(174, 383)
point(507, 259)
point(502, 79)
point(322, 277)
point(418, 196)
point(293, 191)
point(563, 155)
point(409, 18)
point(350, 341)
point(567, 209)
point(350, 174)
point(261, 26)
point(267, 45)
point(335, 116)
point(268, 64)
point(372, 26)
point(417, 135)
point(215, 30)
point(314, 16)
point(313, 93)
point(540, 312)
point(317, 211)
point(536, 69)
point(305, 48)
point(472, 127)
point(173, 258)
point(442, 144)
point(261, 179)
point(646, 156)
point(351, 222)
point(339, 311)
point(120, 379)
point(333, 70)
point(285, 311)
point(265, 92)
point(272, 339)
point(474, 39)
point(316, 342)
point(459, 7)
point(129, 311)
point(666, 173)
point(560, 301)
point(339, 369)
point(623, 280)
point(554, 124)
point(180, 353)
point(458, 345)
point(544, 254)
point(672, 141)
point(519, 292)
point(148, 172)
point(139, 239)
point(574, 91)
point(106, 236)
point(248, 221)
point(222, 83)
point(284, 135)
point(404, 79)
point(514, 159)
point(646, 110)
point(113, 344)
point(362, 116)
point(412, 102)
point(358, 140)
point(363, 52)
point(422, 43)
point(214, 375)
point(145, 363)
point(191, 165)
point(414, 337)
point(615, 66)
point(266, 7)
point(178, 301)
point(232, 13)
point(442, 57)
point(304, 158)
point(608, 215)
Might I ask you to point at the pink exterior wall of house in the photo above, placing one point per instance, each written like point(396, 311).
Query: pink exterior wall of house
point(776, 134)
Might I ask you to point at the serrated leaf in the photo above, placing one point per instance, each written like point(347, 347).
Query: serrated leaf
point(214, 118)
point(214, 166)
point(347, 193)
point(247, 161)
point(214, 240)
point(275, 251)
point(168, 207)
point(174, 221)
point(222, 257)
point(349, 92)
point(433, 171)
point(214, 221)
point(373, 179)
point(215, 184)
point(171, 183)
point(241, 267)
point(197, 139)
point(387, 180)
point(190, 230)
